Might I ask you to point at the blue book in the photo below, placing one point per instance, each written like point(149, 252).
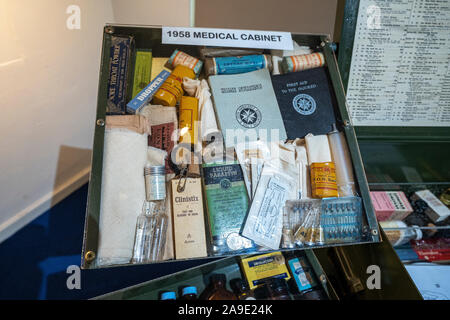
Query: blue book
point(306, 101)
point(246, 107)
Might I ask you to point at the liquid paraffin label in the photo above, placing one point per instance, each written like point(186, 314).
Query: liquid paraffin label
point(188, 219)
point(227, 202)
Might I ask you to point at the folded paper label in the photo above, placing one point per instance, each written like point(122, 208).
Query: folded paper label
point(227, 38)
point(188, 219)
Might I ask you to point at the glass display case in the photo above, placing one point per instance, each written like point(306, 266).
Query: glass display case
point(400, 111)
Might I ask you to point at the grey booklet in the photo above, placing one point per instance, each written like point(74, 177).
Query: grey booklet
point(246, 107)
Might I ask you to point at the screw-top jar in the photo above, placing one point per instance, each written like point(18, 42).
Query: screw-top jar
point(155, 183)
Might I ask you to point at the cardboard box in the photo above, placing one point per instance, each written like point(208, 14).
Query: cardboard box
point(261, 267)
point(436, 210)
point(390, 205)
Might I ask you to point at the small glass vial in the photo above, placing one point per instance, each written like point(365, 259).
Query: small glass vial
point(144, 230)
point(155, 183)
point(158, 238)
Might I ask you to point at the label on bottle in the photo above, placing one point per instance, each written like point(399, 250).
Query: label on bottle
point(232, 65)
point(323, 180)
point(178, 57)
point(156, 187)
point(188, 219)
point(304, 61)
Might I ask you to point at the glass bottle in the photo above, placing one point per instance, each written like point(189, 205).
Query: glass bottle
point(158, 238)
point(303, 283)
point(399, 233)
point(217, 290)
point(287, 238)
point(189, 293)
point(155, 190)
point(155, 183)
point(277, 289)
point(144, 229)
point(241, 289)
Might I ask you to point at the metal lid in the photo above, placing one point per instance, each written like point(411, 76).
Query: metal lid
point(158, 170)
point(189, 290)
point(169, 295)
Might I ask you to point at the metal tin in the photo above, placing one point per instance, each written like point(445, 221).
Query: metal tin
point(323, 180)
point(155, 183)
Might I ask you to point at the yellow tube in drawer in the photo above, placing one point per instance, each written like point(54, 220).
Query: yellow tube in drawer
point(188, 120)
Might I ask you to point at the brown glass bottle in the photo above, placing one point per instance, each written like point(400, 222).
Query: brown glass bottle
point(241, 289)
point(216, 289)
point(277, 289)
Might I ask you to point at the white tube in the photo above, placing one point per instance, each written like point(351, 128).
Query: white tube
point(341, 157)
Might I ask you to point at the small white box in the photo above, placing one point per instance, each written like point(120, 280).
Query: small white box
point(436, 210)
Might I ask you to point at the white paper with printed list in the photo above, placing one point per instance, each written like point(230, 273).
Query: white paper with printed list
point(227, 38)
point(399, 74)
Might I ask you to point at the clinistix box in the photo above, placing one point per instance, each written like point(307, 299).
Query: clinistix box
point(390, 205)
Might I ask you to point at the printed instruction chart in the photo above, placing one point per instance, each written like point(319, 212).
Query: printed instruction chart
point(400, 70)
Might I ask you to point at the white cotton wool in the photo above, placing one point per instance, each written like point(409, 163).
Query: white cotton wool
point(122, 194)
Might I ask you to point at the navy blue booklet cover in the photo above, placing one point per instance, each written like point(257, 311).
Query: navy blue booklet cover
point(306, 102)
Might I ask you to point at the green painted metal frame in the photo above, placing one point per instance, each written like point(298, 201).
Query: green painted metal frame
point(396, 283)
point(143, 39)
